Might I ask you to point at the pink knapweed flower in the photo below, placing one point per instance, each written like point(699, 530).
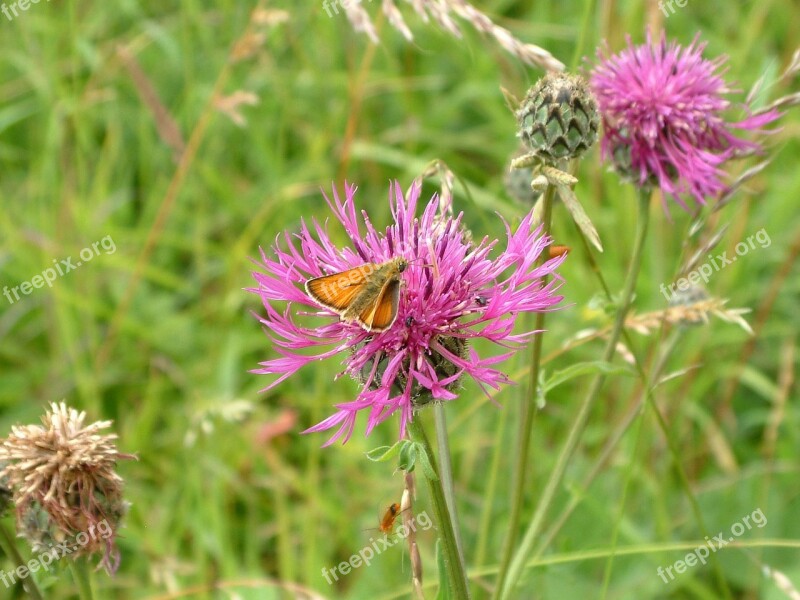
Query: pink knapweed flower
point(662, 107)
point(451, 292)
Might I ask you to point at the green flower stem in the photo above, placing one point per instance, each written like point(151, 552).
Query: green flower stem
point(649, 399)
point(446, 473)
point(80, 573)
point(524, 550)
point(456, 573)
point(649, 382)
point(610, 445)
point(527, 410)
point(10, 548)
point(490, 491)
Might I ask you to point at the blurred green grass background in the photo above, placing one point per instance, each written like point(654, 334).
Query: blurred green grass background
point(163, 344)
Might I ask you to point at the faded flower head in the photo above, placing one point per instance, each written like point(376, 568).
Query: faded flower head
point(662, 107)
point(64, 482)
point(451, 292)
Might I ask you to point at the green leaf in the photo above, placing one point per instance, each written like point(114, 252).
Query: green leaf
point(408, 456)
point(383, 453)
point(586, 368)
point(579, 215)
point(760, 383)
point(425, 463)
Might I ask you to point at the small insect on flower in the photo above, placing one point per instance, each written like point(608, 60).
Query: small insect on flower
point(555, 251)
point(368, 295)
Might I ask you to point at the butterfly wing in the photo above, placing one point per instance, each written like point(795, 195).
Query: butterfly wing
point(379, 315)
point(338, 291)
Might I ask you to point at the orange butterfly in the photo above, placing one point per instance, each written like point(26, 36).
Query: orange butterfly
point(368, 294)
point(554, 251)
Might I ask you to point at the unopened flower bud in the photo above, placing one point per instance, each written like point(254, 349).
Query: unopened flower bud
point(558, 118)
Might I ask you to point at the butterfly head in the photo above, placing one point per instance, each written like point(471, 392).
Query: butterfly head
point(400, 264)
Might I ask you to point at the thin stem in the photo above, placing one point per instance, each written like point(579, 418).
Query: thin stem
point(446, 472)
point(634, 412)
point(80, 573)
point(621, 510)
point(10, 548)
point(586, 27)
point(518, 562)
point(407, 510)
point(527, 410)
point(490, 490)
point(456, 574)
point(649, 398)
point(675, 452)
point(156, 232)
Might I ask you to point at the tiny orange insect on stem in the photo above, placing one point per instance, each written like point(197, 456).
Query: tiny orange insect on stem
point(387, 522)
